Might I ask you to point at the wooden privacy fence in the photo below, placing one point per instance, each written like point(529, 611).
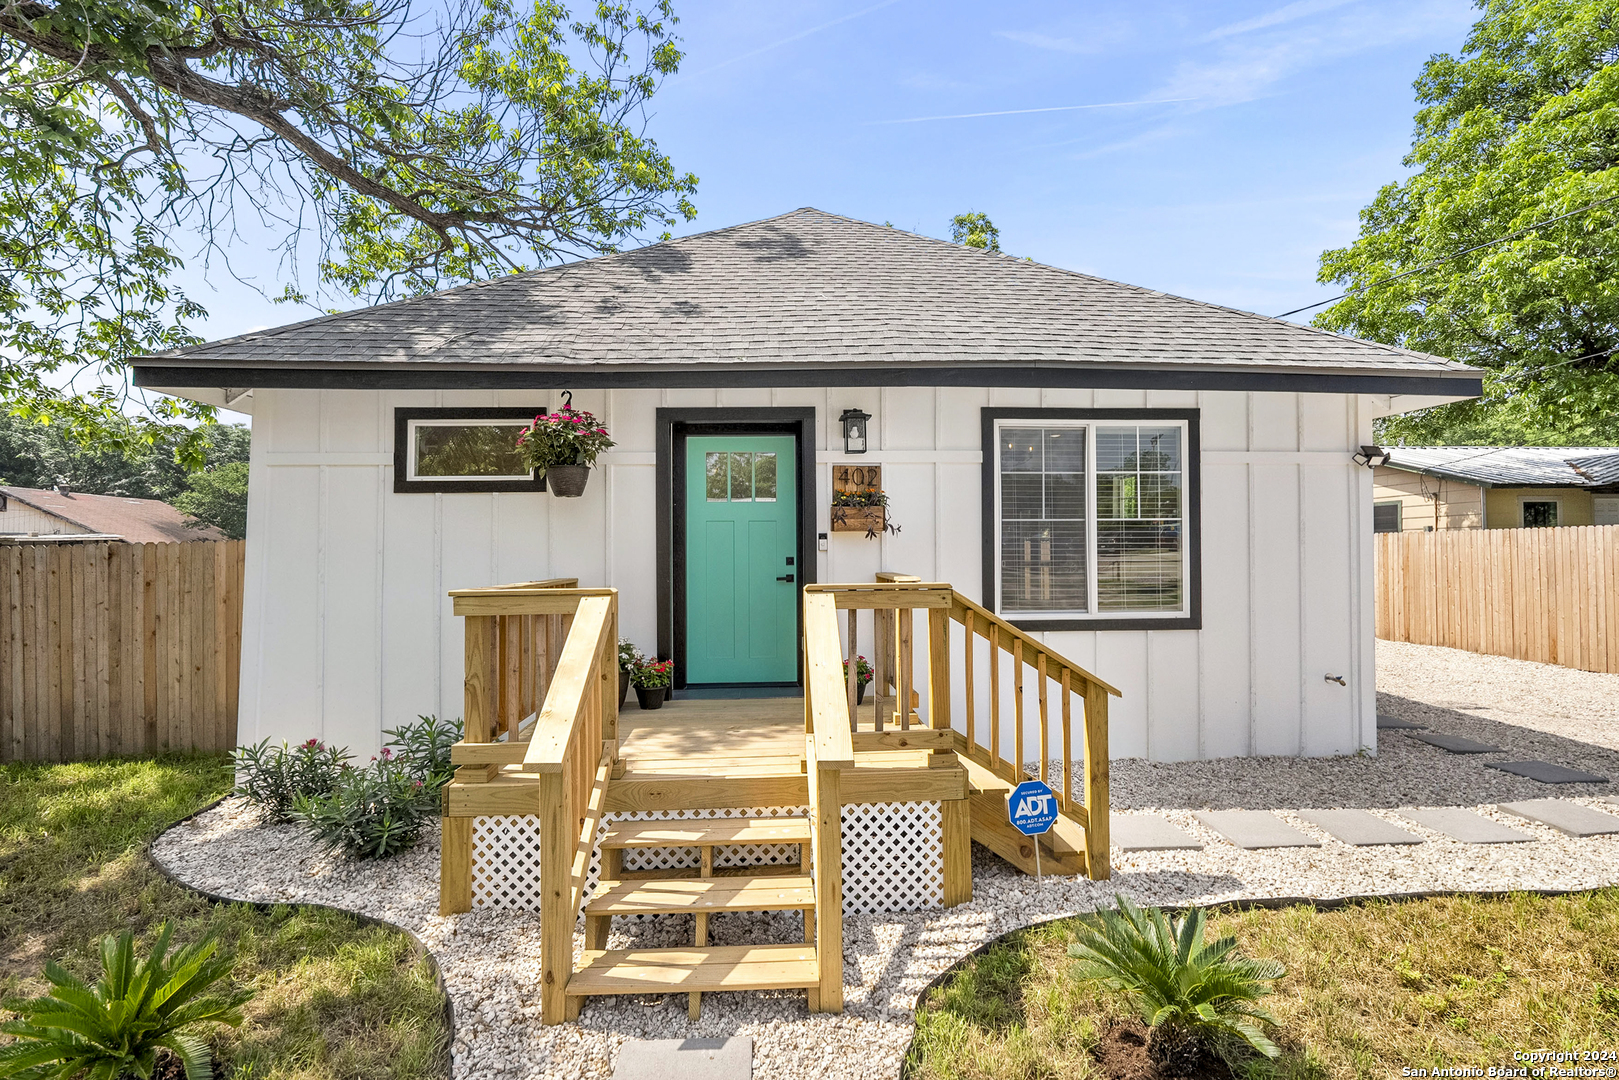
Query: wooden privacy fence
point(1550, 595)
point(113, 648)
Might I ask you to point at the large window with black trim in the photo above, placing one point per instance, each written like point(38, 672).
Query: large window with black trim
point(1091, 517)
point(461, 450)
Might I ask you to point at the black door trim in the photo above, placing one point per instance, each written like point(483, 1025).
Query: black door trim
point(673, 428)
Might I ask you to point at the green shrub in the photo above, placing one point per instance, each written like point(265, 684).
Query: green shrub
point(115, 1028)
point(273, 777)
point(371, 813)
point(423, 748)
point(1195, 996)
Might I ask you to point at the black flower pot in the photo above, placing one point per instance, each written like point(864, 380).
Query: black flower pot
point(650, 697)
point(623, 688)
point(860, 693)
point(567, 481)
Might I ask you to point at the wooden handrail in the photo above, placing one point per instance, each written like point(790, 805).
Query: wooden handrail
point(1032, 646)
point(893, 599)
point(578, 672)
point(826, 716)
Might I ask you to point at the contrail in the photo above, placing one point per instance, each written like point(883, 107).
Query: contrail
point(789, 40)
point(1017, 112)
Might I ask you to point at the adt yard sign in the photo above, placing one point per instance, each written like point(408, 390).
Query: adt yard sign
point(1032, 806)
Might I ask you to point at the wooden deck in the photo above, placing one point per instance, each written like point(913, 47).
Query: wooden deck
point(696, 752)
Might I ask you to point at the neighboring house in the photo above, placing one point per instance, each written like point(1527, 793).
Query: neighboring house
point(1162, 489)
point(1422, 488)
point(27, 514)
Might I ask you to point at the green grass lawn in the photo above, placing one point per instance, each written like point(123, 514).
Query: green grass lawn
point(334, 998)
point(1370, 989)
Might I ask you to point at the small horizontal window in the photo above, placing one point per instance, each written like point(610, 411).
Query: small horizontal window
point(444, 450)
point(1385, 517)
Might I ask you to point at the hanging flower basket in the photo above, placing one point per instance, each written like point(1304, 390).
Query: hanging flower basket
point(562, 446)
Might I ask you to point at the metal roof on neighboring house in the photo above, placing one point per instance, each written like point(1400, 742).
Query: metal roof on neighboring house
point(135, 521)
point(1512, 466)
point(807, 298)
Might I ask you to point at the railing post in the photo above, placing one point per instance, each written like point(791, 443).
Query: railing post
point(826, 797)
point(1097, 867)
point(455, 866)
point(556, 886)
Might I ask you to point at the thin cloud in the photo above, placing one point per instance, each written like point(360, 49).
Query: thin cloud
point(1044, 41)
point(1299, 9)
point(801, 35)
point(1022, 112)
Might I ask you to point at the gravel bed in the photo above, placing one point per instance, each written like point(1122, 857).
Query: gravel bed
point(490, 961)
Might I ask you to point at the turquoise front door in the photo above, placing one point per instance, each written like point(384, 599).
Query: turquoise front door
point(741, 544)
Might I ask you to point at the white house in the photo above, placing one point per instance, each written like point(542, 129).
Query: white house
point(1162, 489)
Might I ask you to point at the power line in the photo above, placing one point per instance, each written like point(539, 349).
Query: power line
point(1447, 258)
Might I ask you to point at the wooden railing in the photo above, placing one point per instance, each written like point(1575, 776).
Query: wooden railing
point(570, 744)
point(828, 750)
point(1011, 655)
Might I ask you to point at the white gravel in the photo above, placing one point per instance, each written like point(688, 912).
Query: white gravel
point(490, 961)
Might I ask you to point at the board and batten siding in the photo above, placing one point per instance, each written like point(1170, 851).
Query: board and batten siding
point(348, 629)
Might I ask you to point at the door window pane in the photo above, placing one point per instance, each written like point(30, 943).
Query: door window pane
point(714, 465)
point(471, 450)
point(1043, 541)
point(764, 477)
point(741, 477)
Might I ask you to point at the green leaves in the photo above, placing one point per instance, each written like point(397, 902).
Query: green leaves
point(390, 146)
point(1183, 987)
point(1522, 127)
point(114, 1029)
point(975, 230)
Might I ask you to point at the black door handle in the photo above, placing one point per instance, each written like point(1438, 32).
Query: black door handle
point(785, 577)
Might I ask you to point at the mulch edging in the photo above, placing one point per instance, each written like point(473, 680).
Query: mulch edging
point(418, 947)
point(1272, 903)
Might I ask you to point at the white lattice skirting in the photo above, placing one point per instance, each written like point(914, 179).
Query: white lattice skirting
point(893, 855)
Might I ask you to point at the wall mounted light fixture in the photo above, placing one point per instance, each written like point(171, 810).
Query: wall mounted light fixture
point(854, 430)
point(1372, 456)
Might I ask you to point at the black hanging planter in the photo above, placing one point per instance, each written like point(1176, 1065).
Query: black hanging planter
point(567, 481)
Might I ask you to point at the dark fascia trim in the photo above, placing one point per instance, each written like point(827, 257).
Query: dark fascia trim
point(1193, 619)
point(673, 425)
point(429, 376)
point(405, 486)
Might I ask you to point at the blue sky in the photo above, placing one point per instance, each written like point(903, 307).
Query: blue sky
point(1220, 146)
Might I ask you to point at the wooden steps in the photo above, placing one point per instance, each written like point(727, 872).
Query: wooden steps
point(1062, 850)
point(663, 896)
point(695, 969)
point(723, 831)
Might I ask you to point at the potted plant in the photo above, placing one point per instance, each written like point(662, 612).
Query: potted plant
point(862, 510)
point(651, 679)
point(628, 657)
point(862, 676)
point(562, 446)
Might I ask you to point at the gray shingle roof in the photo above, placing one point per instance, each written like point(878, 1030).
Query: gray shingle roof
point(805, 288)
point(1513, 466)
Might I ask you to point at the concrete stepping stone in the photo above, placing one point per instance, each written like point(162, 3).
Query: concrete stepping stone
point(1455, 743)
point(1358, 828)
point(1253, 829)
point(685, 1059)
point(1565, 816)
point(1147, 832)
point(1386, 722)
point(1546, 772)
point(1466, 826)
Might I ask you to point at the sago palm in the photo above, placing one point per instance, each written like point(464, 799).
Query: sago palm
point(1187, 990)
point(115, 1028)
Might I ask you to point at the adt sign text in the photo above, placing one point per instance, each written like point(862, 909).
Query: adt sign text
point(1032, 807)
